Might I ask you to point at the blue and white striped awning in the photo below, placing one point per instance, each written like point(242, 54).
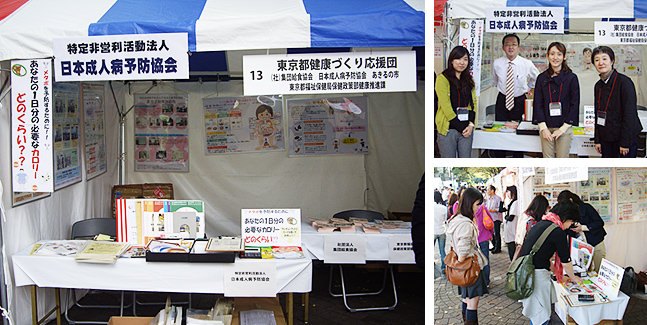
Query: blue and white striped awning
point(216, 25)
point(572, 8)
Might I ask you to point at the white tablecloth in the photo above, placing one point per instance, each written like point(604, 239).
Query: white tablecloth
point(581, 144)
point(589, 315)
point(377, 245)
point(135, 274)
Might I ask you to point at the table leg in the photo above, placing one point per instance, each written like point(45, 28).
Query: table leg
point(306, 297)
point(34, 306)
point(290, 308)
point(58, 306)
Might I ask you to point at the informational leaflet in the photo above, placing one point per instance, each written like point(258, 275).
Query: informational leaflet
point(324, 126)
point(609, 278)
point(401, 249)
point(597, 191)
point(122, 57)
point(546, 20)
point(31, 126)
point(631, 197)
point(581, 255)
point(94, 122)
point(161, 133)
point(250, 279)
point(320, 73)
point(471, 37)
point(271, 227)
point(67, 131)
point(243, 124)
point(345, 249)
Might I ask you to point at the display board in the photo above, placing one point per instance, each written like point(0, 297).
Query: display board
point(628, 57)
point(550, 191)
point(323, 126)
point(243, 124)
point(486, 61)
point(94, 131)
point(20, 198)
point(535, 51)
point(161, 133)
point(631, 203)
point(67, 144)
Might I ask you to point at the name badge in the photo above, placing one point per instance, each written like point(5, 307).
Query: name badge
point(555, 108)
point(602, 118)
point(462, 113)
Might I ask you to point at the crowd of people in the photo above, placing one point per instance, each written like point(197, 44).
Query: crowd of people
point(556, 102)
point(469, 220)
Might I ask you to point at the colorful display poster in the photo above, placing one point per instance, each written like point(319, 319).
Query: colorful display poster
point(271, 227)
point(324, 126)
point(628, 58)
point(471, 37)
point(94, 130)
point(550, 191)
point(67, 141)
point(243, 124)
point(631, 197)
point(31, 126)
point(581, 255)
point(597, 191)
point(161, 133)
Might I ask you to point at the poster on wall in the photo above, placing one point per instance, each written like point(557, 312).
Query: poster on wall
point(20, 198)
point(486, 63)
point(94, 131)
point(161, 133)
point(67, 140)
point(243, 124)
point(324, 126)
point(631, 200)
point(535, 51)
point(550, 191)
point(628, 58)
point(597, 191)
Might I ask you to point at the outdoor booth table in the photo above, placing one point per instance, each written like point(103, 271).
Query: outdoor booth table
point(611, 312)
point(135, 274)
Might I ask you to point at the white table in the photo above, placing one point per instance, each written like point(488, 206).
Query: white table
point(592, 314)
point(582, 145)
point(135, 274)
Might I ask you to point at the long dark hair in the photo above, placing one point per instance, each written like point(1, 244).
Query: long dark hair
point(450, 202)
point(566, 210)
point(469, 196)
point(567, 195)
point(537, 207)
point(562, 48)
point(513, 190)
point(466, 83)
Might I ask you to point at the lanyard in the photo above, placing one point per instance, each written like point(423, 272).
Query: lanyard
point(550, 94)
point(608, 100)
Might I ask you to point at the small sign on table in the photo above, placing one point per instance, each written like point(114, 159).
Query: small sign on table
point(271, 227)
point(345, 249)
point(401, 249)
point(250, 279)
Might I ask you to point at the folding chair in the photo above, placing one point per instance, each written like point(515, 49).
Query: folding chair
point(370, 216)
point(87, 229)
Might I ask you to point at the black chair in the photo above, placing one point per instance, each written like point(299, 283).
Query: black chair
point(87, 229)
point(370, 216)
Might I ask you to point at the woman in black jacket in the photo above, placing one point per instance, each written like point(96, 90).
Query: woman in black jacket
point(556, 104)
point(616, 116)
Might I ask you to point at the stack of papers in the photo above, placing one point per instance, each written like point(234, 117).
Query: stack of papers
point(58, 248)
point(101, 252)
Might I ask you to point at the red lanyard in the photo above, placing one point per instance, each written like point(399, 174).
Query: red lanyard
point(550, 94)
point(608, 100)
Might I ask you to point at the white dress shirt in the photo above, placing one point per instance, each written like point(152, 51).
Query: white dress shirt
point(525, 74)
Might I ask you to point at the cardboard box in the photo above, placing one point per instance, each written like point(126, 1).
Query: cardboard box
point(258, 303)
point(122, 320)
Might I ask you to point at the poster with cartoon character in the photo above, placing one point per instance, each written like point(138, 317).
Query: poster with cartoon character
point(323, 126)
point(67, 139)
point(243, 124)
point(161, 132)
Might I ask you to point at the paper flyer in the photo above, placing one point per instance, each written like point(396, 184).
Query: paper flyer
point(94, 121)
point(161, 132)
point(324, 126)
point(581, 255)
point(67, 136)
point(243, 124)
point(631, 194)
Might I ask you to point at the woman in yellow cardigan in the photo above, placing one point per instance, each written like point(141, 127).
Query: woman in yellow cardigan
point(456, 106)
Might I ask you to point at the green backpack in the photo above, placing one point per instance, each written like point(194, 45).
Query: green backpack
point(519, 282)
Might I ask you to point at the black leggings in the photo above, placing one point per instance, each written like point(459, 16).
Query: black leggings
point(512, 246)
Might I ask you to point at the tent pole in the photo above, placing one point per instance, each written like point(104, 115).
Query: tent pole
point(122, 148)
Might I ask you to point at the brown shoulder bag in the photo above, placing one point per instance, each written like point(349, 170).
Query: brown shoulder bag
point(462, 274)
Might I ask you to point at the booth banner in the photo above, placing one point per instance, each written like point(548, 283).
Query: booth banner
point(324, 126)
point(620, 32)
point(271, 227)
point(94, 131)
point(243, 124)
point(609, 278)
point(320, 73)
point(545, 20)
point(471, 37)
point(250, 279)
point(566, 174)
point(31, 126)
point(122, 57)
point(597, 191)
point(631, 197)
point(161, 133)
point(67, 140)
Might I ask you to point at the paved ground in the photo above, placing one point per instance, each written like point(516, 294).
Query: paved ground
point(495, 307)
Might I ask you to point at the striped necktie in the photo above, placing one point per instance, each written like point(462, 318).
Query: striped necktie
point(509, 88)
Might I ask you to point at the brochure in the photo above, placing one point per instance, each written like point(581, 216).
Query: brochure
point(101, 252)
